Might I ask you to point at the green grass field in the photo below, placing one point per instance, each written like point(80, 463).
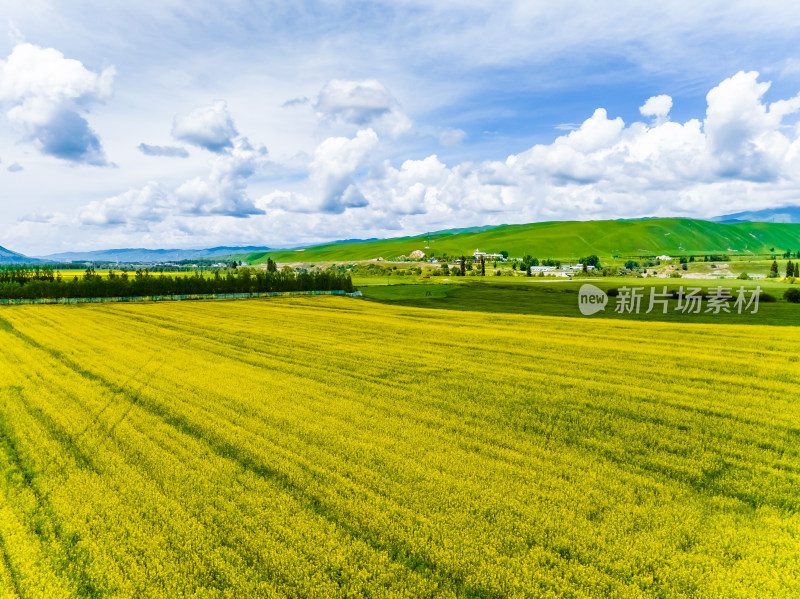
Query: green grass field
point(336, 447)
point(569, 241)
point(548, 297)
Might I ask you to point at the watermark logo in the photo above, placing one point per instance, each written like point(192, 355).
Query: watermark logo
point(693, 300)
point(591, 299)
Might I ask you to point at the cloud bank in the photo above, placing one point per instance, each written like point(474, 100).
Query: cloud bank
point(606, 169)
point(222, 192)
point(743, 148)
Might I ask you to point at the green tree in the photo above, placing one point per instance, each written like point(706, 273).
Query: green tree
point(592, 260)
point(773, 270)
point(789, 269)
point(483, 268)
point(463, 266)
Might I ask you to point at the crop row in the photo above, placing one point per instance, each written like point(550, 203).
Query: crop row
point(317, 447)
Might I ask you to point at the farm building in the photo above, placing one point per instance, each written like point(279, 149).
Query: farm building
point(478, 255)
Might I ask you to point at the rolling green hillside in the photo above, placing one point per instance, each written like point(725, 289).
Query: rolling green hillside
point(570, 239)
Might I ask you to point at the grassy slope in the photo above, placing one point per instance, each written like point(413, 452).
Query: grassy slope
point(571, 239)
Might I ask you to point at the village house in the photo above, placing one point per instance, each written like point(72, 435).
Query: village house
point(486, 257)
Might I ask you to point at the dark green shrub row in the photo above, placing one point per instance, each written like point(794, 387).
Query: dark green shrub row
point(143, 283)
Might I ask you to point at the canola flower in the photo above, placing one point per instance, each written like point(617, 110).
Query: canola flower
point(329, 447)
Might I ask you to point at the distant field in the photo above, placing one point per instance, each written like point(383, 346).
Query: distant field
point(104, 273)
point(548, 297)
point(330, 447)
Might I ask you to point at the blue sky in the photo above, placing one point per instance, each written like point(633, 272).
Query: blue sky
point(191, 124)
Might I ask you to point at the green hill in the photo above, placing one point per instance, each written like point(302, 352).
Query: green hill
point(569, 239)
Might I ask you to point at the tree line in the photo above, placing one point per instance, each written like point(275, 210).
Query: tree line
point(30, 283)
point(792, 270)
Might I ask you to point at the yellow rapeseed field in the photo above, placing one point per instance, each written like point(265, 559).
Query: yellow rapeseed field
point(330, 447)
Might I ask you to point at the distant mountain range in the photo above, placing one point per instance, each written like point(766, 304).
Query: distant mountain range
point(130, 255)
point(789, 214)
point(9, 257)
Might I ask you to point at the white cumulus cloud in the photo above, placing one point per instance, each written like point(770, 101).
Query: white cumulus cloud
point(221, 192)
point(209, 127)
point(362, 103)
point(332, 177)
point(45, 95)
point(657, 106)
point(134, 207)
point(224, 190)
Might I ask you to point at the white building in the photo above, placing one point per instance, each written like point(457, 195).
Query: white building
point(542, 268)
point(478, 255)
